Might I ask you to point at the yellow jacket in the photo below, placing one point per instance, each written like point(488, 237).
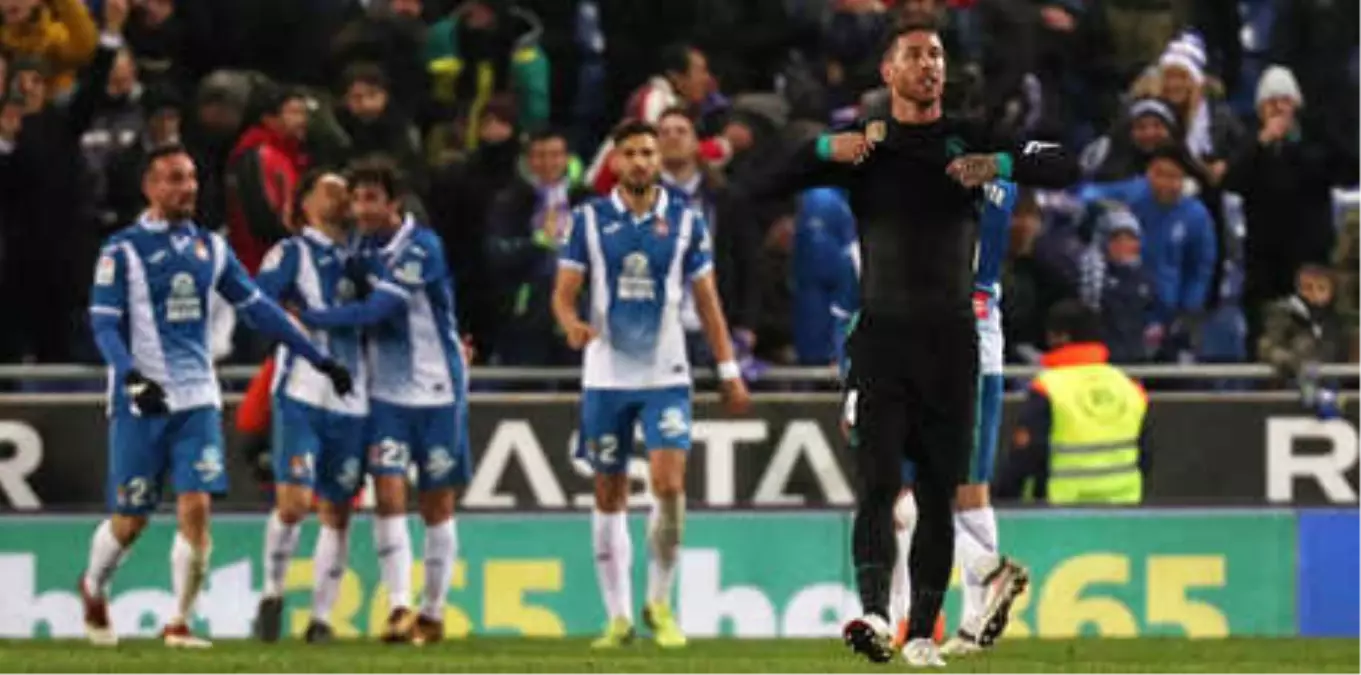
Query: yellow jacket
point(62, 34)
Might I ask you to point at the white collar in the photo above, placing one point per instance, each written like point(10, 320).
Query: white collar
point(689, 187)
point(403, 233)
point(146, 222)
point(658, 208)
point(316, 235)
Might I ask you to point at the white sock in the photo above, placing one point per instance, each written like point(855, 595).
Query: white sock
point(188, 570)
point(900, 587)
point(441, 550)
point(106, 554)
point(614, 562)
point(394, 558)
point(976, 555)
point(663, 548)
point(281, 539)
point(328, 568)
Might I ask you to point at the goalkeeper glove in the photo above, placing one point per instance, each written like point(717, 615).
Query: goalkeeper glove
point(148, 398)
point(339, 376)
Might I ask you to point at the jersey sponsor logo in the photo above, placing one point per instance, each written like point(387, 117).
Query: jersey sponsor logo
point(183, 303)
point(438, 462)
point(105, 270)
point(209, 466)
point(635, 279)
point(673, 422)
point(1036, 147)
point(409, 273)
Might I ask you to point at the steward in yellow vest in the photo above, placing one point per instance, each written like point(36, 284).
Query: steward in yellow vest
point(1079, 438)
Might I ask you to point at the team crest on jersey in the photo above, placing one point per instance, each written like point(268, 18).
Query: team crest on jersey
point(345, 290)
point(635, 278)
point(200, 250)
point(876, 131)
point(105, 270)
point(183, 303)
point(661, 228)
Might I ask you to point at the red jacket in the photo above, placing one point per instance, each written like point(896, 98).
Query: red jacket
point(262, 173)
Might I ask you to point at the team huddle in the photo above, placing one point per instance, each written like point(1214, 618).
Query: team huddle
point(371, 379)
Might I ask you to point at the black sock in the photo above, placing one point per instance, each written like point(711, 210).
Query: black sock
point(926, 603)
point(874, 549)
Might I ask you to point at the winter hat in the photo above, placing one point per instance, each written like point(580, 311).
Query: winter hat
point(1154, 107)
point(1116, 220)
point(1187, 52)
point(1279, 82)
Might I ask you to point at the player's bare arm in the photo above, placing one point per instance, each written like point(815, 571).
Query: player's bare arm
point(565, 292)
point(710, 309)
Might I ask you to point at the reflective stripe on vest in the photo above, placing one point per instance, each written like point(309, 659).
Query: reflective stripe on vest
point(1094, 435)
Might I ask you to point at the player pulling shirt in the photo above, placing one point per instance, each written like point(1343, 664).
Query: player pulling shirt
point(318, 436)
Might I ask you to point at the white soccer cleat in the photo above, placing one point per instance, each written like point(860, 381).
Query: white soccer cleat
point(961, 644)
point(1005, 584)
point(177, 636)
point(923, 653)
point(870, 637)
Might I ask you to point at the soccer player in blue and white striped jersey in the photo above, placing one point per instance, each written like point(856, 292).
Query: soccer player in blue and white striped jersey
point(636, 251)
point(154, 287)
point(418, 394)
point(318, 437)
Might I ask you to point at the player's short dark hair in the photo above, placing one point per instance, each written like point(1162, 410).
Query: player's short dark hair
point(364, 73)
point(906, 24)
point(675, 57)
point(630, 128)
point(1172, 152)
point(544, 135)
point(1314, 270)
point(160, 151)
point(306, 184)
point(376, 171)
point(1074, 319)
point(677, 111)
point(269, 98)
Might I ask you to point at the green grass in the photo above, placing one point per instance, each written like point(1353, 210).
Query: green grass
point(732, 656)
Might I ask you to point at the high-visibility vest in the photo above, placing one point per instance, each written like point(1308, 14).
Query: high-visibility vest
point(1097, 414)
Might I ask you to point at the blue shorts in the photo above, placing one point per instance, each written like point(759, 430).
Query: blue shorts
point(187, 443)
point(608, 417)
point(983, 459)
point(318, 449)
point(433, 439)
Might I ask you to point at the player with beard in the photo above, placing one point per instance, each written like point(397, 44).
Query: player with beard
point(638, 249)
point(914, 177)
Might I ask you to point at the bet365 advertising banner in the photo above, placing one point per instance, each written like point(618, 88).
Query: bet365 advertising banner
point(1194, 574)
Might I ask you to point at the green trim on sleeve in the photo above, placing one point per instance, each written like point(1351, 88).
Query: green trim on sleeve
point(1004, 165)
point(824, 147)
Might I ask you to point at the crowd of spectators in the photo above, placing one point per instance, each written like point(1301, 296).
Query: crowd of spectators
point(1212, 135)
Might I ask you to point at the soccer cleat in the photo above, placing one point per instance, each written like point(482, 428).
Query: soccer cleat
point(400, 626)
point(618, 632)
point(177, 635)
point(961, 644)
point(1005, 584)
point(269, 619)
point(97, 626)
point(318, 632)
point(426, 631)
point(869, 636)
point(659, 619)
point(923, 653)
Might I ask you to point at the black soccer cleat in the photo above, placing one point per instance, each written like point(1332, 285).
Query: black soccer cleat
point(269, 619)
point(1005, 584)
point(868, 640)
point(318, 632)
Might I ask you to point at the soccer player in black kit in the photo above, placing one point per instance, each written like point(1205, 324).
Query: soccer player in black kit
point(914, 179)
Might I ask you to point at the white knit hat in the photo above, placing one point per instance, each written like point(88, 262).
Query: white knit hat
point(1187, 51)
point(1278, 82)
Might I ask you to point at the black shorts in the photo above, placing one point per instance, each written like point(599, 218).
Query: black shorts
point(915, 390)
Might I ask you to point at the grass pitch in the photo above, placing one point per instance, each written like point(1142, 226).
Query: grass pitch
point(490, 655)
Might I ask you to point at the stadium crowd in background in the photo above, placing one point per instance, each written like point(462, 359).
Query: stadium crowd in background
point(1212, 134)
